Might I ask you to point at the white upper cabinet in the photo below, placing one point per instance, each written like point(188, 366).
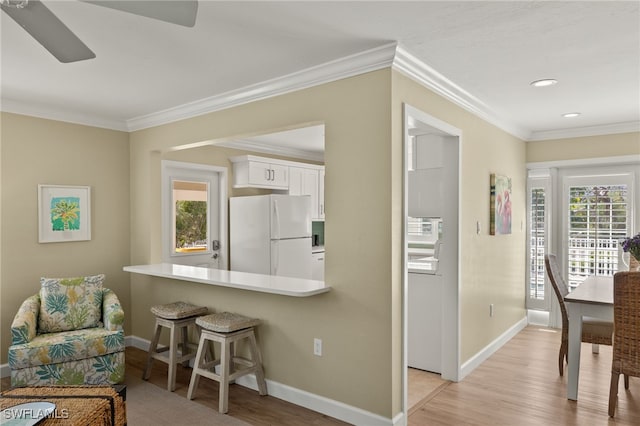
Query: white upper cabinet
point(258, 172)
point(250, 171)
point(305, 181)
point(321, 193)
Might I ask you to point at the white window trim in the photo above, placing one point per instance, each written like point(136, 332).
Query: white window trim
point(590, 166)
point(586, 176)
point(222, 172)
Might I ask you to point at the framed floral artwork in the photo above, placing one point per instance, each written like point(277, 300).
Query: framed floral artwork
point(500, 211)
point(64, 213)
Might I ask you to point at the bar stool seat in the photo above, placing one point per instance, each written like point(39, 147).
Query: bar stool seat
point(227, 328)
point(177, 317)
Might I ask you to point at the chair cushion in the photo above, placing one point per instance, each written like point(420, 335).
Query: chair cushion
point(226, 322)
point(70, 303)
point(66, 346)
point(178, 310)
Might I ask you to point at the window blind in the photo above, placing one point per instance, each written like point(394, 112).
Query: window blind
point(597, 222)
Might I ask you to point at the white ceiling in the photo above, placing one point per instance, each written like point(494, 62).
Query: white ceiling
point(147, 71)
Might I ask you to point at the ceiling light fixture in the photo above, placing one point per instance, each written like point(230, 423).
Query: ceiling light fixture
point(544, 83)
point(571, 114)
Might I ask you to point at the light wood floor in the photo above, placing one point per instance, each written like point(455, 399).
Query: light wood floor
point(518, 385)
point(422, 386)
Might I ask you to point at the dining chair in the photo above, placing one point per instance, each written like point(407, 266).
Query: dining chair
point(626, 337)
point(594, 331)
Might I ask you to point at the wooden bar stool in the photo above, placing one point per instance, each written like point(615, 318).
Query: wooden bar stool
point(177, 317)
point(227, 329)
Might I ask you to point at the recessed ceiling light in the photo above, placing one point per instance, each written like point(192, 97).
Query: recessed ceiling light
point(571, 114)
point(544, 83)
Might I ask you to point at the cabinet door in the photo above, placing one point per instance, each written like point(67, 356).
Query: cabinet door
point(311, 188)
point(321, 193)
point(296, 181)
point(317, 266)
point(279, 175)
point(304, 181)
point(259, 173)
point(268, 175)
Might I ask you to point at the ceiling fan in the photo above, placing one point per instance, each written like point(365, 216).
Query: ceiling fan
point(61, 42)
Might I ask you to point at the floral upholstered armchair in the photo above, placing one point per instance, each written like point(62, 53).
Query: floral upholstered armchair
point(69, 333)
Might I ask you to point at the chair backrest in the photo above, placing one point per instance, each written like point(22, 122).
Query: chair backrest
point(626, 323)
point(559, 286)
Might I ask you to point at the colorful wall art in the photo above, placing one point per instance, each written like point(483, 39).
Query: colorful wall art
point(64, 213)
point(500, 213)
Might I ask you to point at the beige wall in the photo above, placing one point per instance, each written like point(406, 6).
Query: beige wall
point(360, 319)
point(354, 319)
point(584, 147)
point(37, 151)
point(492, 267)
point(361, 316)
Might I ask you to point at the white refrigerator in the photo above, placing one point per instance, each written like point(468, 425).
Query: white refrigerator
point(271, 235)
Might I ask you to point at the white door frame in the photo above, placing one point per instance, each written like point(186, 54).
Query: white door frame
point(451, 366)
point(222, 207)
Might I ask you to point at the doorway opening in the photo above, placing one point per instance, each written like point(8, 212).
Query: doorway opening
point(431, 255)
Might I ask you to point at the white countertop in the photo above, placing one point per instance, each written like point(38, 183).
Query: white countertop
point(285, 286)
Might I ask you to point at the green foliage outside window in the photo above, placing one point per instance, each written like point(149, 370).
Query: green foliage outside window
point(191, 223)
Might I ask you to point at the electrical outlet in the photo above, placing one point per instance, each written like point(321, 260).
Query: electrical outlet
point(491, 310)
point(317, 347)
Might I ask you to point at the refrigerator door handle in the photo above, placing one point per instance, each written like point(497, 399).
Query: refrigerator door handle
point(276, 221)
point(275, 260)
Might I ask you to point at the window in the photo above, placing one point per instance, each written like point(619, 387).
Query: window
point(537, 241)
point(539, 196)
point(191, 213)
point(194, 214)
point(580, 214)
point(597, 221)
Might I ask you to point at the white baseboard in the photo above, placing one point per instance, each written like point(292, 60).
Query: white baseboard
point(320, 404)
point(302, 398)
point(491, 348)
point(137, 342)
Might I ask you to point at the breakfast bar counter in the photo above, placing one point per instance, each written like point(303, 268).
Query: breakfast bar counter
point(286, 286)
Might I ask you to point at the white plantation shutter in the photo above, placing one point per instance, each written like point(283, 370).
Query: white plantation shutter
point(597, 219)
point(537, 240)
point(539, 196)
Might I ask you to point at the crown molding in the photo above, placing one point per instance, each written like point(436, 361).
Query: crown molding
point(605, 129)
point(349, 66)
point(438, 83)
point(59, 114)
point(586, 162)
point(247, 145)
point(388, 55)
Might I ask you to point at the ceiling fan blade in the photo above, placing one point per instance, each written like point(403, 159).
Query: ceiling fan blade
point(181, 12)
point(49, 31)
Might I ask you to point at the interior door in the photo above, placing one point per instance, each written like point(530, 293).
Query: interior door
point(194, 219)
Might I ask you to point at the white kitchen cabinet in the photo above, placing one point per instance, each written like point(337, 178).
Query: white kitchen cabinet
point(425, 192)
point(317, 266)
point(424, 328)
point(304, 181)
point(321, 193)
point(253, 172)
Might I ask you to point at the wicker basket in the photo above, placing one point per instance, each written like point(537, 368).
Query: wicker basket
point(75, 405)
